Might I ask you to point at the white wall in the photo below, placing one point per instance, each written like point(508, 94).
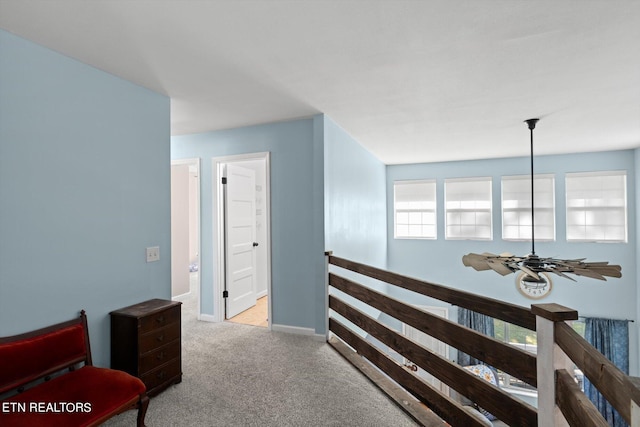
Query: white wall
point(180, 229)
point(194, 215)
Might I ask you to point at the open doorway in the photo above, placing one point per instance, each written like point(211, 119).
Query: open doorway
point(185, 232)
point(242, 280)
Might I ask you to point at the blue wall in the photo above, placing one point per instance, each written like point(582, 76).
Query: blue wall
point(355, 207)
point(84, 188)
point(296, 211)
point(320, 198)
point(355, 199)
point(439, 260)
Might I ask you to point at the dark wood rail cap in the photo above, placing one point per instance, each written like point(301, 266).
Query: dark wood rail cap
point(328, 253)
point(554, 312)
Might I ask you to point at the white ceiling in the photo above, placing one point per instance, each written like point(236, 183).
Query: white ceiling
point(413, 81)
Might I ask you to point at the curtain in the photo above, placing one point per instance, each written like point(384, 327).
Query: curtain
point(611, 338)
point(477, 322)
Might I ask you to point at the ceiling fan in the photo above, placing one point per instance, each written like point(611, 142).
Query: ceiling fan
point(531, 265)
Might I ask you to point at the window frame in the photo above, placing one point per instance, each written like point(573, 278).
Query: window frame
point(593, 209)
point(417, 210)
point(539, 211)
point(488, 212)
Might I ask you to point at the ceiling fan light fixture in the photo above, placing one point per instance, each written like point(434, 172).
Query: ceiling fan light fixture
point(531, 265)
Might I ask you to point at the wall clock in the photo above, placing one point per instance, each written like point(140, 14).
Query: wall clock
point(534, 289)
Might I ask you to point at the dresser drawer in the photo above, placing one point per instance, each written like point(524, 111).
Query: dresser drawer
point(167, 372)
point(160, 319)
point(145, 342)
point(160, 356)
point(158, 338)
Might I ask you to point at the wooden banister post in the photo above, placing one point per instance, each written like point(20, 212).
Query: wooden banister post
point(327, 254)
point(549, 358)
point(635, 408)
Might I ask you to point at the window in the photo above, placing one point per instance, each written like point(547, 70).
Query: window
point(468, 208)
point(597, 206)
point(519, 337)
point(516, 207)
point(415, 209)
point(526, 340)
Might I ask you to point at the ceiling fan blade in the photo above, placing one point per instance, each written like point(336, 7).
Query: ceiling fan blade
point(561, 262)
point(588, 273)
point(561, 274)
point(499, 267)
point(574, 260)
point(468, 259)
point(489, 255)
point(507, 263)
point(606, 270)
point(529, 272)
point(477, 262)
point(593, 270)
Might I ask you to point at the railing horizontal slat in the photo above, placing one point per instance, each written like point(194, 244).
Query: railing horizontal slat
point(478, 390)
point(617, 388)
point(575, 406)
point(614, 384)
point(441, 405)
point(491, 307)
point(507, 358)
point(408, 402)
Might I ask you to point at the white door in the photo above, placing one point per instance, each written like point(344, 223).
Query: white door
point(240, 229)
point(432, 344)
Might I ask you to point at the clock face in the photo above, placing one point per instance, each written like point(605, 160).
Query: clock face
point(534, 290)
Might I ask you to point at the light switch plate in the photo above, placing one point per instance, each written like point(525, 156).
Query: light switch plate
point(153, 254)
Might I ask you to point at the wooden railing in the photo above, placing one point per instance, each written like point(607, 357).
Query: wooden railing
point(349, 328)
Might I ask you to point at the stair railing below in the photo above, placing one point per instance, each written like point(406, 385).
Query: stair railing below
point(357, 336)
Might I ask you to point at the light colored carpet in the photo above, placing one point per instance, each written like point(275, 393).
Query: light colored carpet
point(239, 375)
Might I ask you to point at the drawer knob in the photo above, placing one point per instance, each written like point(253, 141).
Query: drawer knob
point(160, 375)
point(160, 338)
point(160, 355)
point(160, 319)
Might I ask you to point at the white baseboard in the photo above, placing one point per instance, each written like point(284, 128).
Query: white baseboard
point(181, 296)
point(207, 318)
point(299, 331)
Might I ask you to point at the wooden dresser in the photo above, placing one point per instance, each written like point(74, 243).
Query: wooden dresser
point(146, 342)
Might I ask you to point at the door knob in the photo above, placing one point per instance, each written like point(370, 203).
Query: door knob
point(255, 244)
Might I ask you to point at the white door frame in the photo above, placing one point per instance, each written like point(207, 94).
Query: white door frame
point(196, 163)
point(217, 164)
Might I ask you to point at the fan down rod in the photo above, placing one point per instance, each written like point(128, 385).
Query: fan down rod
point(532, 125)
